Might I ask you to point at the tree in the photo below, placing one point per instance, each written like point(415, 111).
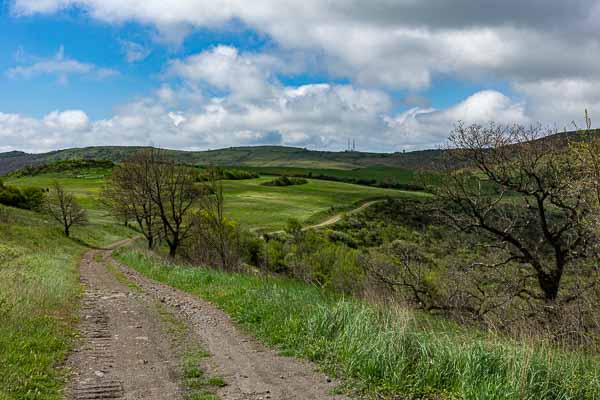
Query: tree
point(128, 196)
point(173, 192)
point(217, 234)
point(64, 208)
point(527, 195)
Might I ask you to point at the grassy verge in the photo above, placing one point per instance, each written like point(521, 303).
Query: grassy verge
point(39, 289)
point(384, 353)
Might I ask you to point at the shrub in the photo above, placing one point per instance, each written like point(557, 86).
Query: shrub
point(75, 165)
point(286, 181)
point(27, 198)
point(231, 174)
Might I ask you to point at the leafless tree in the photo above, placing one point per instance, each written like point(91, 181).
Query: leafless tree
point(214, 234)
point(174, 192)
point(128, 195)
point(526, 195)
point(64, 208)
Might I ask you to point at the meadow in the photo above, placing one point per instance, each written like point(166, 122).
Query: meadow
point(259, 207)
point(39, 293)
point(383, 351)
point(267, 208)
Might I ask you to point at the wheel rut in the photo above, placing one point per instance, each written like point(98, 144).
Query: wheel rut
point(127, 352)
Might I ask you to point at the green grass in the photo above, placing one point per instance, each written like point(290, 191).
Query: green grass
point(264, 208)
point(270, 207)
point(384, 353)
point(86, 187)
point(39, 291)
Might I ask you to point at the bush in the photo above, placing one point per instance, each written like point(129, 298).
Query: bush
point(231, 174)
point(27, 198)
point(286, 181)
point(75, 165)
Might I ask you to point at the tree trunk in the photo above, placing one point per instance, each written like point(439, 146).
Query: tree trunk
point(67, 233)
point(150, 242)
point(173, 249)
point(550, 284)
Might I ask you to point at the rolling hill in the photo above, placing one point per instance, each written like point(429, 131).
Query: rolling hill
point(251, 156)
point(259, 156)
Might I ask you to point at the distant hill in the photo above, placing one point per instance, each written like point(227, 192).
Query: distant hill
point(256, 156)
point(259, 156)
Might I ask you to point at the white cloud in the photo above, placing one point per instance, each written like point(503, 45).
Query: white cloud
point(420, 128)
point(70, 120)
point(539, 48)
point(60, 66)
point(317, 116)
point(223, 67)
point(134, 52)
point(391, 43)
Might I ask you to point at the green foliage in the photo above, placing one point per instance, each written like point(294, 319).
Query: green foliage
point(78, 167)
point(285, 181)
point(232, 174)
point(384, 353)
point(310, 257)
point(27, 198)
point(377, 176)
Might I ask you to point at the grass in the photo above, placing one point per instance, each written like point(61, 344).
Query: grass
point(264, 208)
point(384, 353)
point(85, 186)
point(39, 292)
point(270, 207)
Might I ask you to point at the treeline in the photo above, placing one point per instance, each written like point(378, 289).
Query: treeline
point(285, 181)
point(234, 174)
point(385, 184)
point(75, 165)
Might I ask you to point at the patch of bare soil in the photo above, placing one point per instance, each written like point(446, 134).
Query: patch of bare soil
point(127, 351)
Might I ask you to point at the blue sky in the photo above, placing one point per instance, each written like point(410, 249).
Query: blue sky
point(200, 75)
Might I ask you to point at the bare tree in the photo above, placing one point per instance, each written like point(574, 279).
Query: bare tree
point(526, 195)
point(174, 192)
point(64, 208)
point(217, 234)
point(128, 195)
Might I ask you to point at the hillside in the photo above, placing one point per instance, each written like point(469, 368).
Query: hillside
point(259, 156)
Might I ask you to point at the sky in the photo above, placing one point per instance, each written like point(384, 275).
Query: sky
point(391, 75)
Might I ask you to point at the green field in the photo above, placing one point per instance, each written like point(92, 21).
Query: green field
point(247, 201)
point(270, 207)
point(86, 186)
point(39, 292)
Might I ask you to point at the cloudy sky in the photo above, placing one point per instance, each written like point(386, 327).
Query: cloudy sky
point(199, 74)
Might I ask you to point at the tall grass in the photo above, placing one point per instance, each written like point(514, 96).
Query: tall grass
point(383, 352)
point(39, 289)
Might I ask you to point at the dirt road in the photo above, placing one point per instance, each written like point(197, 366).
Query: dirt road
point(127, 352)
point(336, 218)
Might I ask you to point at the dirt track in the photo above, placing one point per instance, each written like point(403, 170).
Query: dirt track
point(128, 353)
